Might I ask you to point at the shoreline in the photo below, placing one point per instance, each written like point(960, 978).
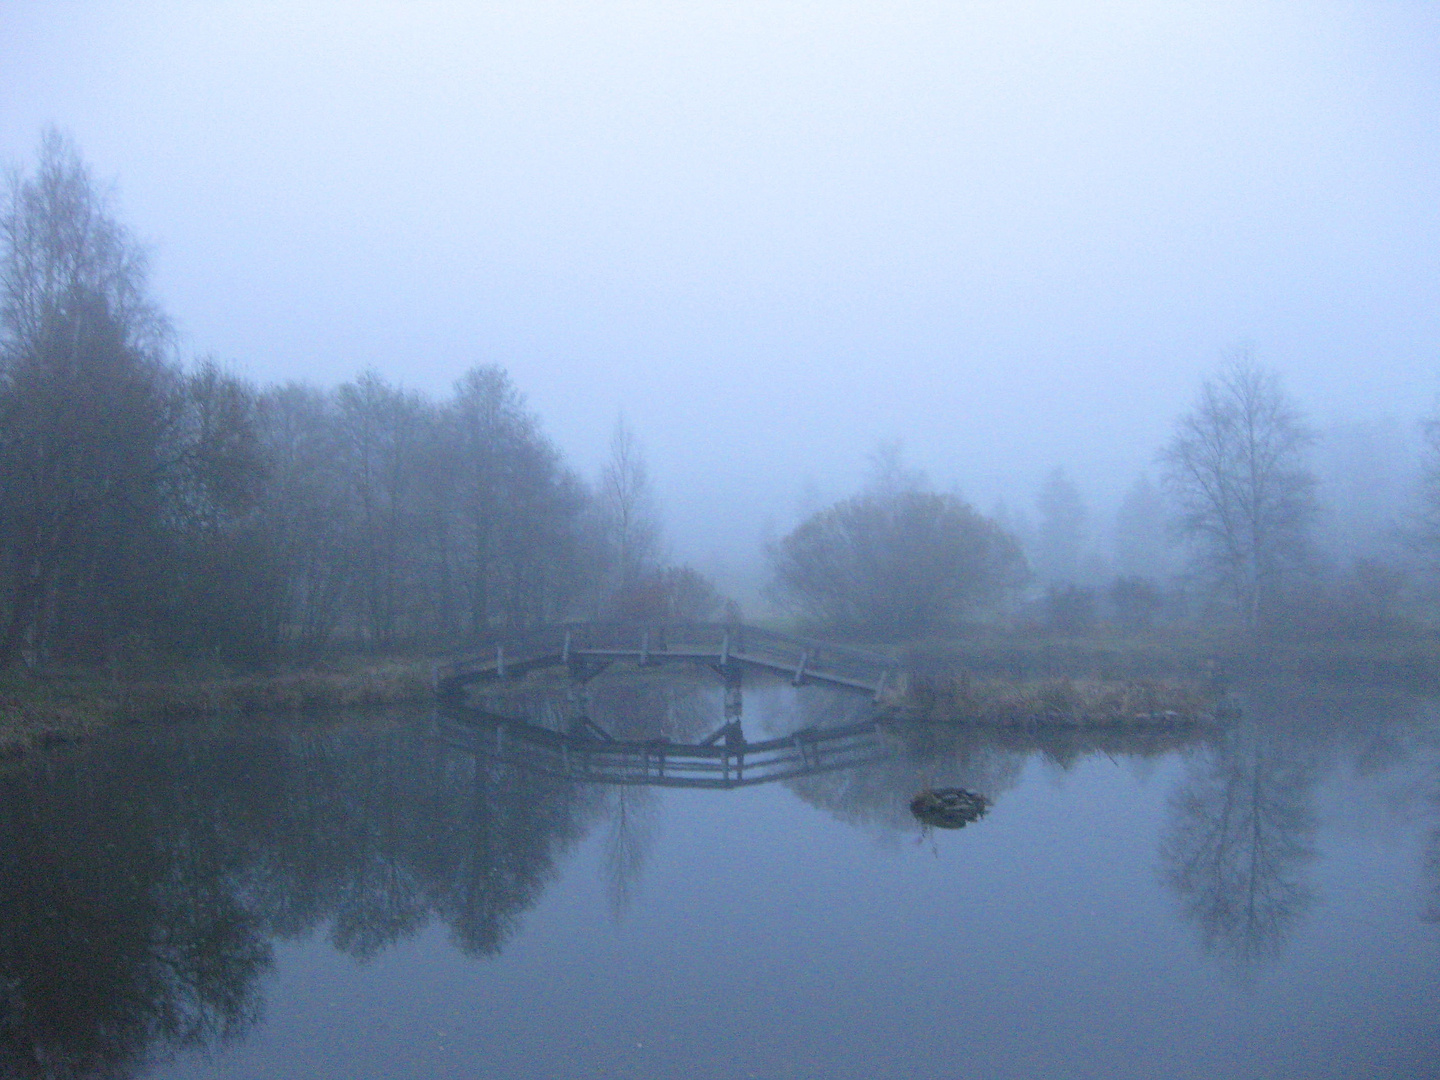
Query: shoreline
point(987, 679)
point(38, 712)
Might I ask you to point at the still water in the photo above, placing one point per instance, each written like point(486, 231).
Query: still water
point(385, 897)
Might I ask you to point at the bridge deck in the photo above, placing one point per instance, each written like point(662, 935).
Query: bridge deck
point(588, 647)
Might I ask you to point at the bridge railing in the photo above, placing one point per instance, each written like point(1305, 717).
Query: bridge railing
point(516, 651)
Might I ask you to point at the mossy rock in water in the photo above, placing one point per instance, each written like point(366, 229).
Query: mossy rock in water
point(948, 808)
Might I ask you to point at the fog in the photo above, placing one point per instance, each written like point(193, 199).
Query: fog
point(773, 236)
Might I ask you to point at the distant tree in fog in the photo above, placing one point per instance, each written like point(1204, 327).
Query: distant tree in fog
point(1365, 473)
point(1142, 544)
point(1237, 470)
point(670, 594)
point(889, 475)
point(1427, 517)
point(896, 565)
point(1069, 609)
point(631, 523)
point(1061, 532)
point(1136, 602)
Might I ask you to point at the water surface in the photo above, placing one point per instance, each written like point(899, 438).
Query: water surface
point(376, 897)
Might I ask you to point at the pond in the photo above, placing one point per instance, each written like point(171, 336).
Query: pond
point(392, 896)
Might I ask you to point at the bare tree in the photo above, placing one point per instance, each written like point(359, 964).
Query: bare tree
point(86, 406)
point(631, 521)
point(305, 512)
point(889, 474)
point(382, 428)
point(1237, 470)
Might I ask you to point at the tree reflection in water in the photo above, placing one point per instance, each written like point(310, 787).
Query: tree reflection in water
point(675, 706)
point(1239, 840)
point(1430, 867)
point(634, 823)
point(144, 878)
point(1432, 877)
point(115, 937)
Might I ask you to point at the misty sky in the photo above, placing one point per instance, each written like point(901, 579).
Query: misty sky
point(1012, 234)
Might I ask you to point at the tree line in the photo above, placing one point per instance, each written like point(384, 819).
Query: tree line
point(153, 509)
point(1231, 535)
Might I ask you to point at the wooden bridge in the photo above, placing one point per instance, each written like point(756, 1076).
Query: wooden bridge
point(724, 760)
point(586, 649)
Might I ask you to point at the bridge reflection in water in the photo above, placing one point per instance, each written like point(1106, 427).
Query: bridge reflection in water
point(586, 754)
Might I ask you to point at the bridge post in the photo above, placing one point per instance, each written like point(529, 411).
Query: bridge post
point(799, 679)
point(734, 691)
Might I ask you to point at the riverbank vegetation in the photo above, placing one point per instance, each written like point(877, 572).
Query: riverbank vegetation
point(1085, 702)
point(68, 706)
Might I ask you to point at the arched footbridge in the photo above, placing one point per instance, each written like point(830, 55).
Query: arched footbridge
point(586, 649)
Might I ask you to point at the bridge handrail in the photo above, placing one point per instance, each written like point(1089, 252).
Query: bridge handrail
point(539, 642)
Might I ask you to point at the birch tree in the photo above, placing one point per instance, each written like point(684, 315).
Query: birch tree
point(1237, 470)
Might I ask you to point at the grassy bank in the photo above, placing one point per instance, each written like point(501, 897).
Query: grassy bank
point(37, 712)
point(984, 676)
point(963, 699)
point(1176, 654)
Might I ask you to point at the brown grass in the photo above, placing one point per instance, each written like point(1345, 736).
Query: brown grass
point(962, 699)
point(44, 712)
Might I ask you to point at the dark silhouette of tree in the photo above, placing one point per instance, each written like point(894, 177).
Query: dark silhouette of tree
point(216, 578)
point(305, 514)
point(1236, 468)
point(895, 565)
point(123, 480)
